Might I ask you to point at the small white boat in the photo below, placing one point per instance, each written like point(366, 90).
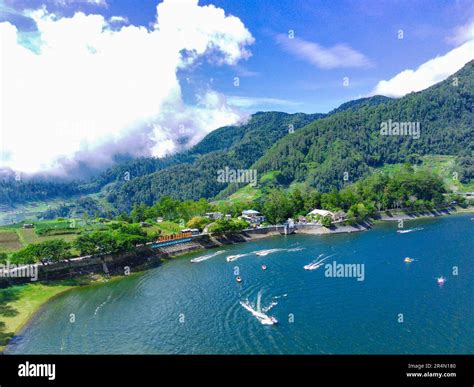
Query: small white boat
point(262, 317)
point(408, 260)
point(264, 267)
point(316, 264)
point(404, 231)
point(231, 258)
point(206, 257)
point(313, 266)
point(263, 253)
point(441, 280)
point(238, 279)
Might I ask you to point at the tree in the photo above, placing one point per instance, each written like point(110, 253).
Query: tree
point(312, 200)
point(198, 222)
point(85, 244)
point(277, 207)
point(54, 250)
point(96, 243)
point(221, 226)
point(297, 202)
point(3, 258)
point(139, 212)
point(326, 221)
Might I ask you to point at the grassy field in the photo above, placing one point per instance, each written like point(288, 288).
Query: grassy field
point(441, 165)
point(165, 227)
point(19, 303)
point(28, 235)
point(14, 237)
point(9, 241)
point(30, 210)
point(245, 194)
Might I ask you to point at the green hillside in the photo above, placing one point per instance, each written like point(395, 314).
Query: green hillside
point(240, 148)
point(350, 142)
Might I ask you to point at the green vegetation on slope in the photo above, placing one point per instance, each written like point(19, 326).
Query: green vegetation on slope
point(349, 143)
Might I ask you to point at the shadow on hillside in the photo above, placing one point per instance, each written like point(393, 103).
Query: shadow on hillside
point(7, 296)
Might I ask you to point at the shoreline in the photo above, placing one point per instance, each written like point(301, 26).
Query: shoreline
point(395, 216)
point(26, 316)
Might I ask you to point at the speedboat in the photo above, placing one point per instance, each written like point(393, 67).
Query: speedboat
point(264, 267)
point(263, 253)
point(268, 320)
point(441, 280)
point(238, 279)
point(404, 231)
point(262, 317)
point(408, 260)
point(231, 258)
point(313, 266)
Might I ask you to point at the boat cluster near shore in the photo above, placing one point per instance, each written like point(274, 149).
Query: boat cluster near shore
point(264, 266)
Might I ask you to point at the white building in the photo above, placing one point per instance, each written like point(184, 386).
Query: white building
point(322, 213)
point(252, 216)
point(338, 216)
point(213, 215)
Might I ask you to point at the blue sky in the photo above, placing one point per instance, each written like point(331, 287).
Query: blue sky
point(370, 27)
point(274, 79)
point(101, 78)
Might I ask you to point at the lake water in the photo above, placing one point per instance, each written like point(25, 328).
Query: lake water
point(195, 308)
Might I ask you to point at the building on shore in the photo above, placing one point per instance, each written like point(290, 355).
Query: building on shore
point(253, 217)
point(335, 216)
point(213, 215)
point(193, 231)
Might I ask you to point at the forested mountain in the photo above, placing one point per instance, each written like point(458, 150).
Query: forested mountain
point(351, 141)
point(360, 103)
point(234, 147)
point(248, 142)
point(321, 151)
point(22, 191)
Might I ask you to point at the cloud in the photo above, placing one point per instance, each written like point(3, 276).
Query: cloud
point(338, 56)
point(90, 92)
point(462, 34)
point(250, 102)
point(118, 19)
point(433, 71)
point(99, 3)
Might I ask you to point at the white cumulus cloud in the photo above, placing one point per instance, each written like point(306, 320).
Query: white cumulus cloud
point(433, 71)
point(462, 34)
point(338, 56)
point(92, 90)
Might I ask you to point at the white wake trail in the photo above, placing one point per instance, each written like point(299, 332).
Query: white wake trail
point(206, 257)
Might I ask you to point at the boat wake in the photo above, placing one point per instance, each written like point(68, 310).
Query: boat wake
point(206, 257)
point(260, 313)
point(262, 253)
point(409, 230)
point(102, 305)
point(231, 258)
point(317, 263)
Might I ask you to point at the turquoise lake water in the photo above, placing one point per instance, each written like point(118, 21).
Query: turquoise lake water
point(195, 308)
